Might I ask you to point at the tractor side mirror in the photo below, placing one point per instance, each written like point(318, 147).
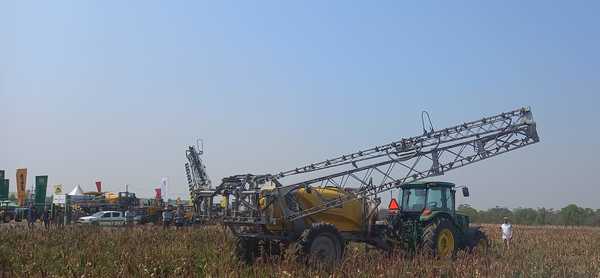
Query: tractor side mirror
point(465, 191)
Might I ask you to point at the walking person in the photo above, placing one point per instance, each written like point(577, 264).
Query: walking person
point(132, 217)
point(166, 218)
point(507, 232)
point(46, 218)
point(60, 217)
point(179, 217)
point(128, 217)
point(30, 217)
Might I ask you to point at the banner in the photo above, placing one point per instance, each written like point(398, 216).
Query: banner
point(41, 184)
point(58, 189)
point(3, 192)
point(59, 198)
point(163, 188)
point(158, 196)
point(99, 185)
point(21, 185)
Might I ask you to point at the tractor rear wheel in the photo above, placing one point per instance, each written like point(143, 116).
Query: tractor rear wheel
point(321, 244)
point(439, 239)
point(246, 249)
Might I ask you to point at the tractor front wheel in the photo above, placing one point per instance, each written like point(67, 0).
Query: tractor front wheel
point(321, 244)
point(439, 239)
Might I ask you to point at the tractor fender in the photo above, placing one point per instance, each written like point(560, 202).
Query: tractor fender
point(434, 216)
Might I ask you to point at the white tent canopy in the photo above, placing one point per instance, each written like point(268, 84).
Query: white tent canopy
point(77, 191)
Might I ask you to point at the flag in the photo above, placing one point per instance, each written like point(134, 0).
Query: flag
point(3, 186)
point(21, 185)
point(163, 188)
point(99, 185)
point(4, 191)
point(41, 183)
point(158, 195)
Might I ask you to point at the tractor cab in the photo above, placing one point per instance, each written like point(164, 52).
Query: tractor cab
point(425, 201)
point(427, 198)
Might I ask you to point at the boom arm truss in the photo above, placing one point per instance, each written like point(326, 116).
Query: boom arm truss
point(198, 180)
point(386, 167)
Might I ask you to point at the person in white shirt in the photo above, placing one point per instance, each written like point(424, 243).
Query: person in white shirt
point(506, 232)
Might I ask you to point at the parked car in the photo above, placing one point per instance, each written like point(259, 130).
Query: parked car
point(104, 218)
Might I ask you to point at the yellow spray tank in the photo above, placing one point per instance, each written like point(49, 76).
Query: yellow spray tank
point(347, 218)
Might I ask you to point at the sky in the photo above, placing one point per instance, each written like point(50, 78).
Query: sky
point(116, 90)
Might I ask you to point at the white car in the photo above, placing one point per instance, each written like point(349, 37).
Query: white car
point(104, 218)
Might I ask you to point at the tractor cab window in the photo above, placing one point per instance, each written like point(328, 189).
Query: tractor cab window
point(413, 199)
point(439, 199)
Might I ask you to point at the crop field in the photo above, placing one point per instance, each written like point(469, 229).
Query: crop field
point(150, 251)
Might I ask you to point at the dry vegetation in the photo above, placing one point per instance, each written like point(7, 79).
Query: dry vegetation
point(198, 252)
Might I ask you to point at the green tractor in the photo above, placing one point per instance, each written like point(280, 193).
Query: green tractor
point(427, 221)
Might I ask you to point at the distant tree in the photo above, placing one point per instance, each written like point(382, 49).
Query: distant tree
point(524, 216)
point(12, 196)
point(544, 216)
point(572, 215)
point(596, 218)
point(591, 217)
point(495, 215)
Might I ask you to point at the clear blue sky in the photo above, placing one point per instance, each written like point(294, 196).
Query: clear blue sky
point(117, 89)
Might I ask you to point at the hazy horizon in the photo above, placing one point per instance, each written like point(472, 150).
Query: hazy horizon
point(117, 90)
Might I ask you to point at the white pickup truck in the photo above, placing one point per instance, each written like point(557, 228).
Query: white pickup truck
point(104, 218)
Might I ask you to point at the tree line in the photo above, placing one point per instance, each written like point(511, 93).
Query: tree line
point(571, 215)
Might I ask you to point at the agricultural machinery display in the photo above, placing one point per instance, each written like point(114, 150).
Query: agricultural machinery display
point(320, 207)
